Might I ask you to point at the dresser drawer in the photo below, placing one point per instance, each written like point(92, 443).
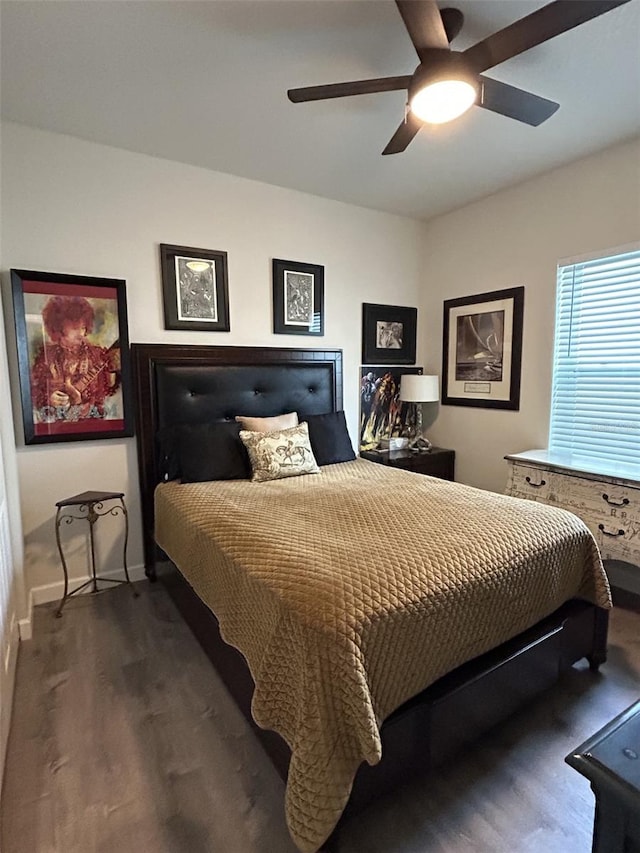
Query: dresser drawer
point(619, 540)
point(605, 500)
point(530, 482)
point(609, 508)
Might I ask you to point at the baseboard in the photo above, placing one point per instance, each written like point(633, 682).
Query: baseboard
point(53, 592)
point(24, 625)
point(7, 682)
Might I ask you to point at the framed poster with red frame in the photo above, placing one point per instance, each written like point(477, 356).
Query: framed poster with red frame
point(73, 356)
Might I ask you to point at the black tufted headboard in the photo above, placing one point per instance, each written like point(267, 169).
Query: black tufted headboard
point(199, 384)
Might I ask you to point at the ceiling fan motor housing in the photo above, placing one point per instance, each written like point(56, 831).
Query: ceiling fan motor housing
point(441, 65)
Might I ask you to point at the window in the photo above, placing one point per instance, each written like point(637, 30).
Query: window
point(595, 406)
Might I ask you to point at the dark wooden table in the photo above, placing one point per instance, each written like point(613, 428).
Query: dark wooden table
point(437, 462)
point(610, 760)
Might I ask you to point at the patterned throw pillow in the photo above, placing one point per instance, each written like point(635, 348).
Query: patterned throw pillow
point(284, 453)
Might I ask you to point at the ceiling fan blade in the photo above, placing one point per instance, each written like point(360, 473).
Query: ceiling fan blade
point(536, 28)
point(424, 25)
point(515, 103)
point(403, 135)
point(344, 90)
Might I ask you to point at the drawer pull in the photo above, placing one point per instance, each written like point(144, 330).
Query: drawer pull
point(622, 502)
point(536, 485)
point(610, 533)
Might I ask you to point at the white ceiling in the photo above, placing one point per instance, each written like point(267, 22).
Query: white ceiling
point(205, 83)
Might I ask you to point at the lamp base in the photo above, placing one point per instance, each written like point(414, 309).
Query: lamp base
point(394, 443)
point(420, 445)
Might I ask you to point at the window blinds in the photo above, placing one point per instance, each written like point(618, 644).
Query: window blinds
point(595, 407)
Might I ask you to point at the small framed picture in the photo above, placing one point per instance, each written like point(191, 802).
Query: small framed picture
point(73, 356)
point(298, 298)
point(482, 350)
point(195, 289)
point(388, 334)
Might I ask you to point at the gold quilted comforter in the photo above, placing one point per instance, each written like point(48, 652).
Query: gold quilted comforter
point(351, 590)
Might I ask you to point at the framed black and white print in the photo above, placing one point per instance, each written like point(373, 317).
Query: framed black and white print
point(298, 298)
point(195, 289)
point(482, 350)
point(388, 334)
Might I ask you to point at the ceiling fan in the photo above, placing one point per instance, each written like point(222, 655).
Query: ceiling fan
point(447, 82)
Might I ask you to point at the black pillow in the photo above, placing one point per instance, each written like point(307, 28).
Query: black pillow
point(212, 452)
point(329, 438)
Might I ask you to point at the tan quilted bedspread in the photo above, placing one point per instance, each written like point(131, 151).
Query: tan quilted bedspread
point(351, 590)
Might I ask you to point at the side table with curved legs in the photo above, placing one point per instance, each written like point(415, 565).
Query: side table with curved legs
point(90, 507)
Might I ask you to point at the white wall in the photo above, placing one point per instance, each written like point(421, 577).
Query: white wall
point(12, 598)
point(513, 238)
point(76, 207)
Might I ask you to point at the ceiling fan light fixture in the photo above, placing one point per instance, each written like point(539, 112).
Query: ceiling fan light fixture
point(443, 88)
point(443, 101)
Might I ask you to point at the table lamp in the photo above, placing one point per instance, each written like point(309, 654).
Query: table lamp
point(416, 388)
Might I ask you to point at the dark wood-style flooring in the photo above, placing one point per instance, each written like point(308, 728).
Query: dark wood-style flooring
point(124, 739)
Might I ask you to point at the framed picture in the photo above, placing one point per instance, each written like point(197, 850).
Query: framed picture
point(298, 298)
point(482, 350)
point(382, 414)
point(73, 356)
point(388, 334)
point(195, 288)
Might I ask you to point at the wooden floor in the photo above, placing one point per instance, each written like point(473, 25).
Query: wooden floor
point(124, 739)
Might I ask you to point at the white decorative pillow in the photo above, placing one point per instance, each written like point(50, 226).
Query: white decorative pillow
point(283, 453)
point(268, 424)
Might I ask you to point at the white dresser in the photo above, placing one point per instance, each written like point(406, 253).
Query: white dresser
point(606, 497)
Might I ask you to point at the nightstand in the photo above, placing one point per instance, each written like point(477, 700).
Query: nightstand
point(610, 760)
point(437, 462)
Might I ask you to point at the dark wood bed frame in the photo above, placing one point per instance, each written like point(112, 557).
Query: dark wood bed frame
point(178, 384)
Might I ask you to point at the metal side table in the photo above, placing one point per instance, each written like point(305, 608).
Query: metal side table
point(90, 507)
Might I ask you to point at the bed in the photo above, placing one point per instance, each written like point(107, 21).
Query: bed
point(338, 700)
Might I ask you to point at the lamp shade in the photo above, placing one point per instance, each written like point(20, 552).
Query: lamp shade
point(417, 388)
